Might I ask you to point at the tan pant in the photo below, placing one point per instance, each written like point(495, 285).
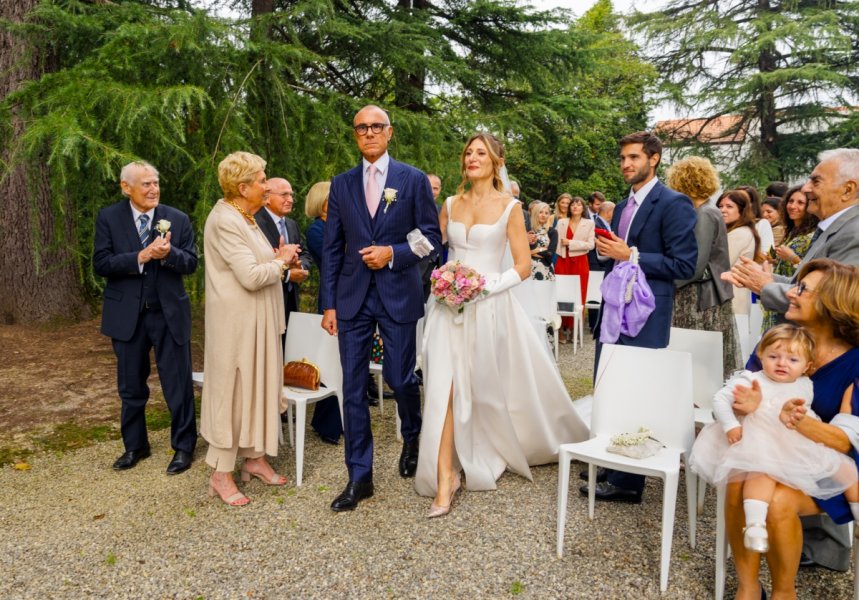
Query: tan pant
point(223, 460)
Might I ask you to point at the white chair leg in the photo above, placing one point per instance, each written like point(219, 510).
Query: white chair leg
point(702, 491)
point(557, 342)
point(721, 542)
point(289, 423)
point(380, 383)
point(669, 502)
point(592, 489)
point(576, 326)
point(563, 494)
point(342, 416)
point(692, 504)
point(855, 572)
point(300, 418)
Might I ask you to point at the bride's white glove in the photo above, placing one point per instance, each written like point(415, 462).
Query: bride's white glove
point(502, 282)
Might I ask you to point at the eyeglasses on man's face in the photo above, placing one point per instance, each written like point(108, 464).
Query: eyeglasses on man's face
point(362, 128)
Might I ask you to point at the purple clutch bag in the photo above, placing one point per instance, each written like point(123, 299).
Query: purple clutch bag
point(628, 301)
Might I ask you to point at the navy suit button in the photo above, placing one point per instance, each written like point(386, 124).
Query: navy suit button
point(372, 242)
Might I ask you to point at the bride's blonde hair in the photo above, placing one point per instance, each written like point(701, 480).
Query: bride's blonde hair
point(496, 155)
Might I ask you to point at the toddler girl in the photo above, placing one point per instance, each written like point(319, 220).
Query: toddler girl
point(760, 449)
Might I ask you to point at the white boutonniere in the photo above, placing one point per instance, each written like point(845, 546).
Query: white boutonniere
point(390, 195)
point(162, 227)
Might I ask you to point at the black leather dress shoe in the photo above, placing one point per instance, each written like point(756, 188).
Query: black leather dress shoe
point(805, 561)
point(181, 462)
point(409, 459)
point(328, 440)
point(602, 474)
point(130, 458)
point(612, 493)
point(373, 400)
point(350, 497)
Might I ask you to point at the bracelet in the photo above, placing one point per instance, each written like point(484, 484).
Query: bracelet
point(284, 269)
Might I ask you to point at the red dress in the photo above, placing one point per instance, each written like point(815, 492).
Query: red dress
point(573, 265)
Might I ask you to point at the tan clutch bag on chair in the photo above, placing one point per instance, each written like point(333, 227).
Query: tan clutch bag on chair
point(301, 374)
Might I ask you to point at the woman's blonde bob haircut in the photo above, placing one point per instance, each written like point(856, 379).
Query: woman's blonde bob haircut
point(238, 168)
point(534, 208)
point(694, 176)
point(836, 298)
point(316, 199)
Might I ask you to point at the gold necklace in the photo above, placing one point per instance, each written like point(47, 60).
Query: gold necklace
point(243, 212)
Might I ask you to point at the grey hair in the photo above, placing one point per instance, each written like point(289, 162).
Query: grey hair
point(848, 162)
point(126, 174)
point(606, 206)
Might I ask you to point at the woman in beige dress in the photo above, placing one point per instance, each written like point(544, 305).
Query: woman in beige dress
point(743, 240)
point(240, 411)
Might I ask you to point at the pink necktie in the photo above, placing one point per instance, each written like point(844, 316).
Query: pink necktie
point(371, 193)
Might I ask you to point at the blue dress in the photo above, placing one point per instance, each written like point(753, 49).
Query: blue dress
point(830, 382)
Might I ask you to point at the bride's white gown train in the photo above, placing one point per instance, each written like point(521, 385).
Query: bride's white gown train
point(510, 406)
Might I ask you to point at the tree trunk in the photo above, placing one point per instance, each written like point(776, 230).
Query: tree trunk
point(39, 272)
point(411, 84)
point(766, 100)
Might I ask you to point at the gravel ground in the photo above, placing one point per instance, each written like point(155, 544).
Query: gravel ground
point(74, 528)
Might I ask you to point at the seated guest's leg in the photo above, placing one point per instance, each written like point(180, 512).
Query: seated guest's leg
point(785, 532)
point(747, 563)
point(326, 420)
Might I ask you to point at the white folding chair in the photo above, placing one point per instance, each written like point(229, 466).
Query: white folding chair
point(538, 300)
point(568, 290)
point(707, 377)
point(638, 387)
point(305, 338)
point(756, 319)
point(594, 297)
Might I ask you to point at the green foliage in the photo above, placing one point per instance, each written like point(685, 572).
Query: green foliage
point(783, 66)
point(174, 84)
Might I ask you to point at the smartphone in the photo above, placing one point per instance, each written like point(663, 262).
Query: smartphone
point(603, 233)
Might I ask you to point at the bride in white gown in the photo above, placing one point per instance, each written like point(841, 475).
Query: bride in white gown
point(494, 400)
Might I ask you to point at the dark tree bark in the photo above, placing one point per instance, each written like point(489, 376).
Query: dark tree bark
point(39, 274)
point(411, 84)
point(766, 101)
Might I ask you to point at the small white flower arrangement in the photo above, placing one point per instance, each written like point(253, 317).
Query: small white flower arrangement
point(390, 195)
point(632, 438)
point(162, 227)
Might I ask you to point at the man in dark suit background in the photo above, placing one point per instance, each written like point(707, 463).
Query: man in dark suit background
point(144, 248)
point(371, 278)
point(275, 224)
point(657, 221)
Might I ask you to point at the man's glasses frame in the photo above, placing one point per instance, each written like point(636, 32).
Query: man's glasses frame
point(363, 128)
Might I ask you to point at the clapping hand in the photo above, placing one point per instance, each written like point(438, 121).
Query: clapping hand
point(157, 249)
point(286, 252)
point(748, 274)
point(747, 399)
point(792, 413)
point(785, 253)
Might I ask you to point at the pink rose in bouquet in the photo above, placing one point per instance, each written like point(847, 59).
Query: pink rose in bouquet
point(453, 284)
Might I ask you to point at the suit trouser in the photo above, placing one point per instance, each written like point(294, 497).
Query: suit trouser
point(174, 369)
point(355, 340)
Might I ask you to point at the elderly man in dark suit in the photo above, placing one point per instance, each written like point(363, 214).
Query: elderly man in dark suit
point(657, 221)
point(144, 248)
point(276, 225)
point(371, 278)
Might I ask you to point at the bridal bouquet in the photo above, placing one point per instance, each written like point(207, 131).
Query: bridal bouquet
point(453, 284)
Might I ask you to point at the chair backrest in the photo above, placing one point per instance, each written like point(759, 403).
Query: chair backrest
point(594, 292)
point(744, 335)
point(305, 338)
point(707, 361)
point(569, 289)
point(644, 387)
point(537, 298)
point(756, 319)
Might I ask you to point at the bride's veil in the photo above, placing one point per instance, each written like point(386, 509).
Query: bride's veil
point(505, 179)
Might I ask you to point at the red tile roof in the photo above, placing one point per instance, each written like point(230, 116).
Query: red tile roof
point(726, 129)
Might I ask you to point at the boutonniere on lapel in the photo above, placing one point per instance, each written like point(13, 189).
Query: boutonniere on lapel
point(390, 195)
point(162, 227)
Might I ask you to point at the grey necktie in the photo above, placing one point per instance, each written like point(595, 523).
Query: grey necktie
point(817, 233)
point(281, 225)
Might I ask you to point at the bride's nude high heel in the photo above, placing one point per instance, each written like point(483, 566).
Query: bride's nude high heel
point(237, 499)
point(439, 511)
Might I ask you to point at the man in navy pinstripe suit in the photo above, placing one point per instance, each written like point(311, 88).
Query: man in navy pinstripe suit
point(371, 278)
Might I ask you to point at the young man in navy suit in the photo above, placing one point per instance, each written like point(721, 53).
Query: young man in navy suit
point(371, 278)
point(144, 248)
point(660, 223)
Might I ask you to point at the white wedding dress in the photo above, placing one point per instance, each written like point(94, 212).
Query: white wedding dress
point(510, 406)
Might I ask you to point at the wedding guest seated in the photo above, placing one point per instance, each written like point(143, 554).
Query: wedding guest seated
point(240, 411)
point(826, 303)
point(544, 244)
